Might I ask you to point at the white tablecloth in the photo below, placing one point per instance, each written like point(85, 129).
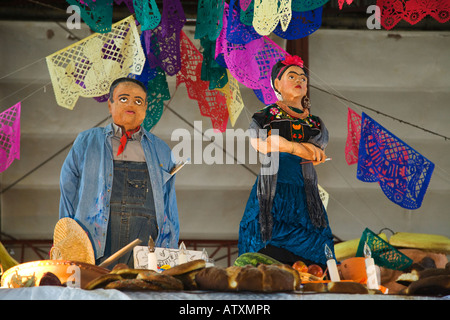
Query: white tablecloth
point(65, 293)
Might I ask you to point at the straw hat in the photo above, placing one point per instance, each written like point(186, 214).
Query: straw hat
point(71, 242)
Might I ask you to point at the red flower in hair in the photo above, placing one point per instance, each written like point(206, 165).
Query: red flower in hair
point(293, 60)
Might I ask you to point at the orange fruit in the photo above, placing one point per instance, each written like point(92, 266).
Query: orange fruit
point(300, 266)
point(315, 270)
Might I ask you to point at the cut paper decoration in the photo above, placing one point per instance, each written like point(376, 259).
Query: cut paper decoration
point(341, 3)
point(87, 68)
point(244, 4)
point(157, 88)
point(190, 67)
point(233, 97)
point(157, 93)
point(97, 14)
point(302, 5)
point(353, 137)
point(212, 71)
point(173, 17)
point(250, 63)
point(324, 196)
point(412, 11)
point(128, 3)
point(102, 98)
point(302, 24)
point(148, 73)
point(246, 16)
point(147, 13)
point(402, 173)
point(268, 13)
point(167, 38)
point(9, 136)
point(211, 103)
point(236, 31)
point(209, 19)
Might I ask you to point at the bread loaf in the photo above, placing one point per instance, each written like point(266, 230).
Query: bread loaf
point(165, 281)
point(102, 281)
point(133, 284)
point(264, 278)
point(120, 266)
point(250, 279)
point(188, 280)
point(185, 267)
point(315, 287)
point(347, 287)
point(213, 278)
point(126, 273)
point(434, 272)
point(297, 279)
point(276, 279)
point(430, 286)
point(232, 273)
point(407, 278)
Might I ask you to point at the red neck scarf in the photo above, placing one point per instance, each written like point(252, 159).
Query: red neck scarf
point(125, 136)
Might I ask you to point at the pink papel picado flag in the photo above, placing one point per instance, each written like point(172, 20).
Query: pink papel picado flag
point(9, 136)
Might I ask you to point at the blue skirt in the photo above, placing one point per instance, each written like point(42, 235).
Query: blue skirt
point(292, 227)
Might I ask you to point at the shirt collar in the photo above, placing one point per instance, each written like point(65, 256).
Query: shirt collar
point(118, 132)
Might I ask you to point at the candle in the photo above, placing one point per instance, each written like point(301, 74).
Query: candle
point(182, 256)
point(151, 257)
point(372, 278)
point(152, 261)
point(331, 265)
point(209, 262)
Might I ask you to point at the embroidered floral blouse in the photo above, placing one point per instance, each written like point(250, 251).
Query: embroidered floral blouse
point(292, 129)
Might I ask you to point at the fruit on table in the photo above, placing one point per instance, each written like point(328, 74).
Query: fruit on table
point(423, 241)
point(315, 270)
point(300, 266)
point(254, 259)
point(6, 261)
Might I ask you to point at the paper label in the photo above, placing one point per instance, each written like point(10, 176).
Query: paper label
point(164, 256)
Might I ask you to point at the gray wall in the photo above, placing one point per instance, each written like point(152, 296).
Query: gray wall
point(405, 76)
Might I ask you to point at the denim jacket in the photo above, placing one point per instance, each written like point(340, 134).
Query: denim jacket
point(87, 178)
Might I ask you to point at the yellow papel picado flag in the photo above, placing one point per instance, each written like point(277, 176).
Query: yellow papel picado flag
point(88, 67)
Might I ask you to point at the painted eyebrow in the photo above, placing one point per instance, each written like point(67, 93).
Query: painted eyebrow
point(127, 95)
point(299, 74)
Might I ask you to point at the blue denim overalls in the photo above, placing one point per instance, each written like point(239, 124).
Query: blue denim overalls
point(132, 213)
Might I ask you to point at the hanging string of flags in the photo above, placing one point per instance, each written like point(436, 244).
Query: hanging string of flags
point(236, 50)
point(402, 173)
point(97, 14)
point(353, 137)
point(412, 11)
point(238, 30)
point(9, 136)
point(88, 67)
point(212, 103)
